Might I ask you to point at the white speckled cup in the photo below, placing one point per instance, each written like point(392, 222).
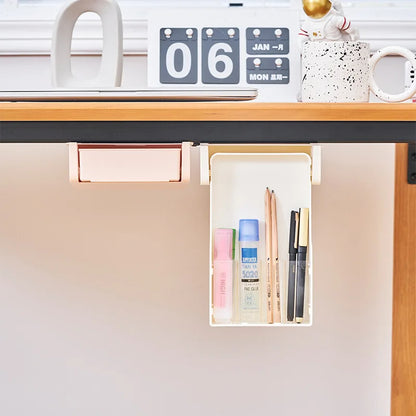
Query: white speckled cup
point(342, 72)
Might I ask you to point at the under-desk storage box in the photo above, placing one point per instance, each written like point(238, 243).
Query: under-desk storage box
point(120, 162)
point(238, 180)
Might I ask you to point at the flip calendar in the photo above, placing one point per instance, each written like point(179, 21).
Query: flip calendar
point(226, 47)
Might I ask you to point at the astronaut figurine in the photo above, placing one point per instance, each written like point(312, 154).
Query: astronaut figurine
point(325, 21)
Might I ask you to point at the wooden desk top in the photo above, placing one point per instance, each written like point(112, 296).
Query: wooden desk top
point(204, 111)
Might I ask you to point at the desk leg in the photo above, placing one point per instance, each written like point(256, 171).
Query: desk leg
point(403, 397)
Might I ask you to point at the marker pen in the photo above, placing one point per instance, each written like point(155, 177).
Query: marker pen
point(293, 251)
point(224, 254)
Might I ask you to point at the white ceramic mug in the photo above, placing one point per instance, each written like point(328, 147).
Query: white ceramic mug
point(339, 72)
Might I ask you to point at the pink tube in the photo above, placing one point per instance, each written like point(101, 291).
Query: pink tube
point(224, 248)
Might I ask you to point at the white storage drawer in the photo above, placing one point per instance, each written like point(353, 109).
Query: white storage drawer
point(129, 162)
point(238, 180)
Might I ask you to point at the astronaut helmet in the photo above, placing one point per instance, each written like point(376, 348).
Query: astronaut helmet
point(316, 9)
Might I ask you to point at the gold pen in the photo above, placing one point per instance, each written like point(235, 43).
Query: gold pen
point(301, 263)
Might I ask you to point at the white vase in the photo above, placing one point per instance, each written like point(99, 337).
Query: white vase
point(110, 72)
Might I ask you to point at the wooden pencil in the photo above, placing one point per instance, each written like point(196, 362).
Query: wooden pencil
point(275, 262)
point(267, 214)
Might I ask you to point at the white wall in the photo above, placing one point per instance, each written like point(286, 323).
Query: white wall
point(104, 292)
point(29, 72)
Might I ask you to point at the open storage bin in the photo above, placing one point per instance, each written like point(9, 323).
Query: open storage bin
point(237, 188)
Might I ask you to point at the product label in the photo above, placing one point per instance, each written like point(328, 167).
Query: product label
point(223, 284)
point(249, 270)
point(249, 255)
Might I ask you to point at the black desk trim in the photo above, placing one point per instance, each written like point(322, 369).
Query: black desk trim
point(207, 131)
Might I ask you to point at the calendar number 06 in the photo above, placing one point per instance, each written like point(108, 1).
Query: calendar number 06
point(219, 65)
point(179, 57)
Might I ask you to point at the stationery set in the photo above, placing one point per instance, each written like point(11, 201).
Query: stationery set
point(247, 285)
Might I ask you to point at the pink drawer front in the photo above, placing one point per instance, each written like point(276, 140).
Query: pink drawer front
point(129, 163)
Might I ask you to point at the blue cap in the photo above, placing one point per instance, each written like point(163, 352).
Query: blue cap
point(249, 230)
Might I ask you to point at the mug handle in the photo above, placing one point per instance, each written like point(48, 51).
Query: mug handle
point(392, 50)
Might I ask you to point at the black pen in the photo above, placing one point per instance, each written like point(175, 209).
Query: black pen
point(293, 249)
point(301, 263)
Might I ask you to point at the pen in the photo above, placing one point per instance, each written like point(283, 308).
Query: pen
point(301, 263)
point(275, 262)
point(293, 249)
point(268, 256)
